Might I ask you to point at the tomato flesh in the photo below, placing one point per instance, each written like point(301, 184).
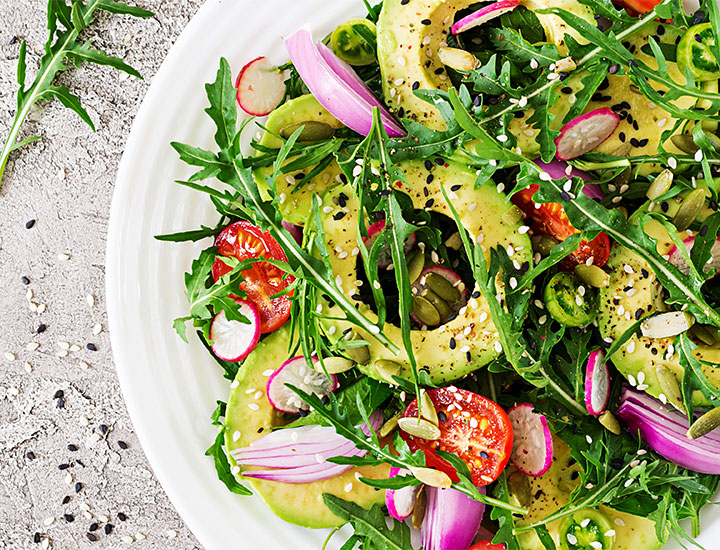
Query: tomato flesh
point(487, 545)
point(550, 219)
point(244, 241)
point(472, 427)
point(637, 6)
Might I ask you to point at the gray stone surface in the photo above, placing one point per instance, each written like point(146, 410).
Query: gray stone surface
point(65, 182)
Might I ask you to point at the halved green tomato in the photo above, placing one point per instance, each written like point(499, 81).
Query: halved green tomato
point(587, 529)
point(570, 302)
point(694, 53)
point(348, 41)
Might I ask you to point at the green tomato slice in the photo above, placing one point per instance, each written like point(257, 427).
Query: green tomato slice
point(353, 41)
point(570, 302)
point(587, 529)
point(694, 53)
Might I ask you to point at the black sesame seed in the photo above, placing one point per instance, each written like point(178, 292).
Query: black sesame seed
point(626, 44)
point(59, 394)
point(93, 527)
point(401, 112)
point(644, 272)
point(714, 205)
point(452, 343)
point(477, 100)
point(30, 455)
point(63, 466)
point(103, 429)
point(622, 136)
point(439, 70)
point(564, 196)
point(428, 165)
point(483, 454)
point(429, 203)
point(574, 475)
point(404, 2)
point(91, 347)
point(415, 85)
point(346, 331)
point(639, 313)
point(643, 142)
point(664, 206)
point(426, 22)
point(30, 224)
point(25, 280)
point(66, 499)
point(476, 294)
point(91, 537)
point(703, 230)
point(616, 463)
point(78, 487)
point(124, 445)
point(60, 403)
point(303, 412)
point(430, 178)
point(123, 517)
point(41, 328)
point(566, 90)
point(69, 518)
point(455, 188)
point(597, 96)
point(698, 38)
point(625, 105)
point(325, 400)
point(614, 68)
point(604, 85)
point(339, 216)
point(426, 191)
point(439, 161)
point(636, 126)
point(36, 538)
point(343, 178)
point(72, 448)
point(442, 416)
point(633, 63)
point(630, 118)
point(699, 17)
point(356, 297)
point(299, 176)
point(634, 142)
point(519, 114)
point(616, 107)
point(660, 30)
point(108, 528)
point(259, 430)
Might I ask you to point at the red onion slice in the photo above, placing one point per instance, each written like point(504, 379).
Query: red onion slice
point(451, 519)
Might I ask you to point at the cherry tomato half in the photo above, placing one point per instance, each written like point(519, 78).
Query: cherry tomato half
point(486, 545)
point(550, 219)
point(244, 241)
point(471, 426)
point(637, 6)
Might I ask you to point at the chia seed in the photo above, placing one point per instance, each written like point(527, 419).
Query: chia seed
point(123, 517)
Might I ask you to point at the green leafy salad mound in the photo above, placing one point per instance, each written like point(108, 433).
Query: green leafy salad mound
point(615, 252)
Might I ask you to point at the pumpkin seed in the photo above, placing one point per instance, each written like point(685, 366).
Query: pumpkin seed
point(432, 477)
point(441, 305)
point(609, 422)
point(442, 287)
point(704, 334)
point(667, 324)
point(685, 143)
point(519, 488)
point(689, 209)
point(622, 151)
point(419, 427)
point(358, 353)
point(425, 311)
point(660, 185)
point(415, 265)
point(427, 408)
point(389, 426)
point(457, 59)
point(512, 215)
point(387, 369)
point(592, 275)
point(634, 89)
point(670, 387)
point(454, 241)
point(419, 509)
point(544, 245)
point(334, 365)
point(312, 130)
point(565, 65)
point(705, 424)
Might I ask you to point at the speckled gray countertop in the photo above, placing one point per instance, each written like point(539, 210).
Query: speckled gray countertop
point(71, 468)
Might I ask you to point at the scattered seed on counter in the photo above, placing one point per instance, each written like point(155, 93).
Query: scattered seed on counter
point(108, 528)
point(122, 445)
point(91, 537)
point(9, 356)
point(32, 346)
point(28, 367)
point(49, 521)
point(69, 518)
point(127, 539)
point(63, 466)
point(103, 429)
point(140, 536)
point(91, 347)
point(78, 487)
point(171, 533)
point(66, 499)
point(62, 257)
point(121, 516)
point(93, 527)
point(90, 299)
point(41, 328)
point(97, 329)
point(25, 280)
point(36, 537)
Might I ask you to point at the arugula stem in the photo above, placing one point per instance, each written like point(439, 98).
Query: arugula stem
point(554, 385)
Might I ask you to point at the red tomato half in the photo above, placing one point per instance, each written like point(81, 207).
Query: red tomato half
point(471, 426)
point(244, 241)
point(486, 545)
point(550, 219)
point(637, 6)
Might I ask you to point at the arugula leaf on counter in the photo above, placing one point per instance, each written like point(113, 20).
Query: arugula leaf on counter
point(65, 22)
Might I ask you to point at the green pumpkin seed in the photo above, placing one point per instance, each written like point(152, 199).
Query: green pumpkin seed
point(704, 334)
point(667, 324)
point(419, 509)
point(685, 143)
point(660, 185)
point(312, 130)
point(544, 245)
point(592, 275)
point(670, 387)
point(519, 488)
point(689, 209)
point(441, 305)
point(609, 422)
point(389, 426)
point(334, 365)
point(415, 265)
point(442, 287)
point(454, 241)
point(387, 369)
point(425, 311)
point(419, 427)
point(359, 354)
point(705, 424)
point(427, 408)
point(512, 215)
point(432, 477)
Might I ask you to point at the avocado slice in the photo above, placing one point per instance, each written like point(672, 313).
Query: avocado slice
point(295, 204)
point(465, 343)
point(555, 28)
point(545, 494)
point(248, 419)
point(618, 306)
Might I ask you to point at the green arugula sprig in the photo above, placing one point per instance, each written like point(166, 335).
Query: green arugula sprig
point(65, 22)
point(220, 459)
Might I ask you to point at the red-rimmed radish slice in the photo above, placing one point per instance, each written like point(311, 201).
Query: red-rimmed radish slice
point(234, 340)
point(558, 170)
point(295, 371)
point(597, 383)
point(385, 258)
point(585, 132)
point(337, 86)
point(260, 87)
point(532, 450)
point(679, 261)
point(484, 14)
point(401, 502)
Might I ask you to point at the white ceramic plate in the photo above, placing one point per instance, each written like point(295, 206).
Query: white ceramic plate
point(170, 388)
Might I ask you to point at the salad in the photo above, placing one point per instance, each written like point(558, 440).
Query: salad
point(463, 279)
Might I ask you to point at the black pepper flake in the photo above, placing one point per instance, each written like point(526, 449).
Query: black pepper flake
point(108, 528)
point(69, 518)
point(91, 537)
point(468, 356)
point(25, 280)
point(93, 527)
point(63, 466)
point(123, 517)
point(339, 216)
point(78, 487)
point(36, 538)
point(426, 22)
point(91, 347)
point(452, 343)
point(455, 188)
point(430, 178)
point(566, 90)
point(41, 328)
point(30, 224)
point(30, 455)
point(122, 444)
point(415, 85)
point(428, 165)
point(66, 499)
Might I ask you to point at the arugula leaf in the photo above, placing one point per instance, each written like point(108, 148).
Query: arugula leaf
point(506, 523)
point(62, 45)
point(220, 459)
point(518, 49)
point(595, 74)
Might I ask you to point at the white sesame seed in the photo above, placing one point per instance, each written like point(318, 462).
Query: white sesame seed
point(513, 282)
point(90, 299)
point(83, 420)
point(610, 533)
point(399, 81)
point(553, 76)
point(534, 64)
point(572, 539)
point(542, 319)
point(63, 257)
point(45, 544)
point(619, 522)
point(642, 387)
point(698, 155)
point(596, 544)
point(632, 380)
point(63, 345)
point(127, 539)
point(32, 346)
point(140, 536)
point(672, 163)
point(401, 61)
point(663, 398)
point(49, 521)
point(629, 482)
point(616, 200)
point(578, 300)
point(589, 439)
point(631, 347)
point(523, 229)
point(584, 523)
point(9, 356)
point(253, 407)
point(502, 138)
point(171, 533)
point(41, 308)
point(348, 487)
point(63, 353)
point(498, 346)
point(28, 367)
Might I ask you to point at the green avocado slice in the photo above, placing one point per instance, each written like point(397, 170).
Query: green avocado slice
point(634, 290)
point(248, 418)
point(465, 343)
point(545, 494)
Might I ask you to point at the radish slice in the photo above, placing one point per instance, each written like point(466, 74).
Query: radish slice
point(532, 450)
point(337, 86)
point(260, 87)
point(678, 260)
point(597, 383)
point(584, 133)
point(401, 502)
point(295, 371)
point(558, 170)
point(484, 14)
point(385, 258)
point(233, 340)
point(295, 230)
